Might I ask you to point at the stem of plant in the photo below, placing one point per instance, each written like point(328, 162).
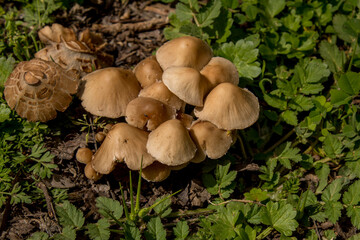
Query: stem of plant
point(280, 141)
point(264, 233)
point(126, 210)
point(242, 147)
point(132, 210)
point(353, 55)
point(137, 203)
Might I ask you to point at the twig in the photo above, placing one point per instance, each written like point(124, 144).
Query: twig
point(48, 198)
point(280, 141)
point(93, 133)
point(316, 229)
point(237, 200)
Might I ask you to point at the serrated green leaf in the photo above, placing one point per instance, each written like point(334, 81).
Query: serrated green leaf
point(332, 192)
point(4, 112)
point(99, 230)
point(350, 83)
point(338, 23)
point(69, 215)
point(275, 101)
point(290, 117)
point(332, 146)
point(208, 13)
point(273, 8)
point(68, 233)
point(181, 230)
point(39, 236)
point(183, 12)
point(332, 209)
point(107, 206)
point(353, 212)
point(322, 172)
point(339, 97)
point(301, 103)
point(352, 195)
point(6, 67)
point(155, 230)
point(316, 70)
point(352, 28)
point(312, 88)
point(333, 57)
point(163, 209)
point(280, 216)
point(131, 232)
point(225, 223)
point(256, 194)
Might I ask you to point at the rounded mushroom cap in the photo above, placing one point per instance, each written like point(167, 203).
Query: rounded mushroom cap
point(56, 33)
point(148, 71)
point(156, 172)
point(147, 113)
point(186, 51)
point(122, 143)
point(160, 92)
point(107, 92)
point(37, 88)
point(170, 143)
point(214, 142)
point(84, 155)
point(229, 107)
point(90, 173)
point(186, 83)
point(220, 70)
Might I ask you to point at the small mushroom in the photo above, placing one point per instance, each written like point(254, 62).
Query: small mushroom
point(186, 51)
point(107, 92)
point(220, 70)
point(100, 136)
point(186, 83)
point(170, 143)
point(56, 34)
point(148, 71)
point(90, 173)
point(37, 88)
point(156, 172)
point(84, 155)
point(123, 143)
point(210, 140)
point(147, 113)
point(160, 92)
point(229, 107)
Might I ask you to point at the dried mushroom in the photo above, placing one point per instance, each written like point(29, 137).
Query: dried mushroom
point(107, 92)
point(36, 89)
point(56, 34)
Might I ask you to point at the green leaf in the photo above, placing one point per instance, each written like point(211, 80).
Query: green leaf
point(68, 233)
point(332, 210)
point(208, 13)
point(183, 12)
point(39, 236)
point(352, 195)
point(280, 216)
point(333, 57)
point(338, 22)
point(273, 8)
point(99, 230)
point(332, 192)
point(131, 232)
point(339, 97)
point(4, 112)
point(256, 194)
point(301, 103)
point(155, 230)
point(107, 206)
point(316, 70)
point(275, 101)
point(353, 212)
point(322, 173)
point(69, 215)
point(285, 153)
point(290, 117)
point(332, 146)
point(181, 230)
point(350, 83)
point(6, 67)
point(163, 209)
point(352, 28)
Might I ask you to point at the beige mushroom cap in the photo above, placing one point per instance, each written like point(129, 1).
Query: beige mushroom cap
point(229, 107)
point(186, 51)
point(214, 142)
point(160, 92)
point(37, 88)
point(84, 155)
point(156, 172)
point(90, 173)
point(148, 71)
point(108, 91)
point(147, 113)
point(186, 83)
point(220, 70)
point(56, 33)
point(170, 143)
point(122, 143)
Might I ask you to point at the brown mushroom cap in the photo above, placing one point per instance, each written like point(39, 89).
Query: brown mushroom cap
point(122, 143)
point(108, 91)
point(160, 92)
point(37, 88)
point(147, 113)
point(170, 143)
point(186, 51)
point(148, 71)
point(90, 173)
point(220, 70)
point(84, 155)
point(156, 172)
point(186, 83)
point(214, 142)
point(56, 33)
point(229, 107)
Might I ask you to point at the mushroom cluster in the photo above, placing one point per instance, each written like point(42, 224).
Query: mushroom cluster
point(38, 88)
point(160, 133)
